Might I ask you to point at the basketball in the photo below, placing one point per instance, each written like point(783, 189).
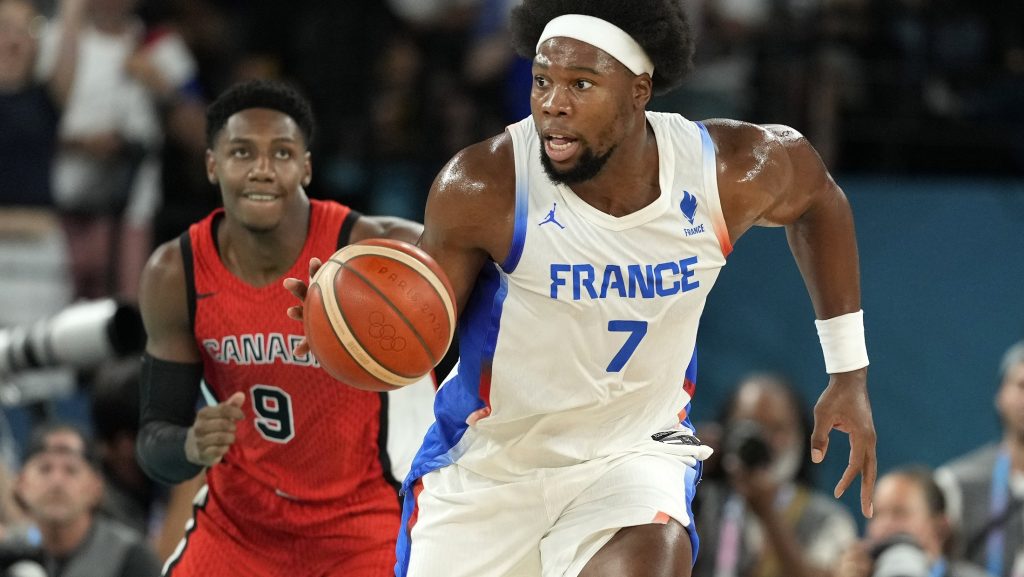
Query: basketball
point(379, 314)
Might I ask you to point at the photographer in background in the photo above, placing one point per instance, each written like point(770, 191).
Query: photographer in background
point(908, 534)
point(764, 519)
point(984, 489)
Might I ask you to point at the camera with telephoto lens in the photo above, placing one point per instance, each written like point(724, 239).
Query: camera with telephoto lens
point(900, 556)
point(746, 442)
point(81, 336)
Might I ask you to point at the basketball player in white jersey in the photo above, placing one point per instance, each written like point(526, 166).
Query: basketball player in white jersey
point(581, 244)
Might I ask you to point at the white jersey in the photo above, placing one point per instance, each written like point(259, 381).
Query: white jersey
point(582, 343)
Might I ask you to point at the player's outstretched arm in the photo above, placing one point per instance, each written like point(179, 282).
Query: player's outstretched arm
point(174, 443)
point(771, 176)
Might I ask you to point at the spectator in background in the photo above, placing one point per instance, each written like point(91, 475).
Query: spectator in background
point(106, 178)
point(985, 488)
point(212, 38)
point(909, 531)
point(60, 486)
point(30, 109)
point(31, 246)
point(766, 520)
point(131, 497)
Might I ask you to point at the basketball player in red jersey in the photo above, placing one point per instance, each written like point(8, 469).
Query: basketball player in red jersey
point(297, 478)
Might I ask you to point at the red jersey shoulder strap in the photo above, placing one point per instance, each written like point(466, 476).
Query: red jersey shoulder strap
point(185, 241)
point(345, 233)
point(195, 243)
point(332, 220)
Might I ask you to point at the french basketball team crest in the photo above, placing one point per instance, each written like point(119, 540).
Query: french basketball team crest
point(688, 206)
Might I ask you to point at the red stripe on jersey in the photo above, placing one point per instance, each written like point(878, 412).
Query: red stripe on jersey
point(690, 387)
point(415, 515)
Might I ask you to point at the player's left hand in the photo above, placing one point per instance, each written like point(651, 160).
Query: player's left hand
point(844, 405)
point(298, 289)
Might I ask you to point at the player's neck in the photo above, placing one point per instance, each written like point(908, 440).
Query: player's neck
point(630, 180)
point(261, 258)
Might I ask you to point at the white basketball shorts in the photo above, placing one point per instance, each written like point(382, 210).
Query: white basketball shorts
point(550, 525)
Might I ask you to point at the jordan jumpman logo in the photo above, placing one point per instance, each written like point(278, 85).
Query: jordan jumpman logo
point(551, 217)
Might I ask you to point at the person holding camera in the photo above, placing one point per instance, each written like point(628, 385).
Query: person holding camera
point(765, 519)
point(909, 533)
point(984, 489)
point(60, 486)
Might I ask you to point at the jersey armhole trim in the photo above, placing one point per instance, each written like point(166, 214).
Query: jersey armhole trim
point(711, 190)
point(185, 240)
point(515, 252)
point(345, 232)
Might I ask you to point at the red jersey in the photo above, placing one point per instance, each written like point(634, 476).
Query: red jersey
point(306, 437)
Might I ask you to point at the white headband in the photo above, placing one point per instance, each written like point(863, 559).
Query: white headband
point(600, 34)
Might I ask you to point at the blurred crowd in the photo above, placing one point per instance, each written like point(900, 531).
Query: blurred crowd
point(101, 156)
point(399, 86)
point(759, 514)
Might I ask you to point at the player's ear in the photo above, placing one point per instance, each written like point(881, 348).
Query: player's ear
point(211, 167)
point(643, 90)
point(307, 169)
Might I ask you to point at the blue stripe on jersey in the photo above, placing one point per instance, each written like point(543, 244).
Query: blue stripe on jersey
point(693, 475)
point(519, 232)
point(460, 396)
point(708, 146)
point(404, 547)
point(691, 369)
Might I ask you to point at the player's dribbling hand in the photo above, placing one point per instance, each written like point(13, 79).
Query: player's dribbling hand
point(844, 405)
point(298, 289)
point(213, 432)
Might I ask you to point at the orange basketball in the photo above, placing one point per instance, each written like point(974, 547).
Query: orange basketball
point(379, 314)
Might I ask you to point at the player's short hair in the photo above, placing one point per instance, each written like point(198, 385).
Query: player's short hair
point(259, 94)
point(1011, 358)
point(660, 27)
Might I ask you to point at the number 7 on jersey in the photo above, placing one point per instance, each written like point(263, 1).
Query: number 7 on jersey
point(636, 330)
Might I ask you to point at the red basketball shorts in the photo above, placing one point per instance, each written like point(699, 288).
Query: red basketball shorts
point(361, 543)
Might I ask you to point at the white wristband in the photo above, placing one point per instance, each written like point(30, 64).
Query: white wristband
point(842, 342)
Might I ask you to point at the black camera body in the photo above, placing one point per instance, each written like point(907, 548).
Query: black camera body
point(747, 442)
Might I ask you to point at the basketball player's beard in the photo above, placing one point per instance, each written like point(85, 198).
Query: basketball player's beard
point(587, 167)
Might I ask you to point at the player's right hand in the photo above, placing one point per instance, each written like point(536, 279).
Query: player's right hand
point(213, 432)
point(298, 289)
